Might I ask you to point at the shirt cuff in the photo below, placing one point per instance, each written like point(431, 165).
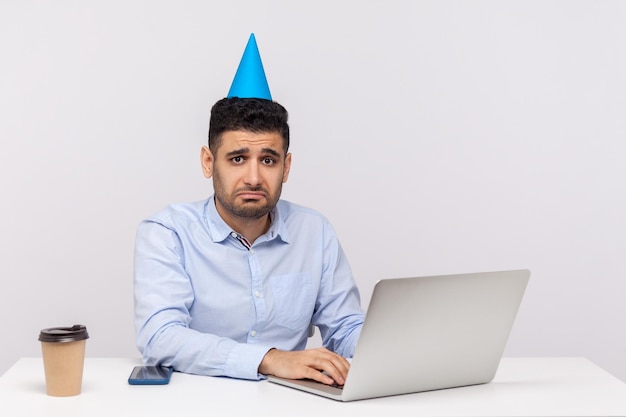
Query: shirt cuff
point(244, 360)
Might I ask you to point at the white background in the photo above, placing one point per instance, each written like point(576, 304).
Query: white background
point(438, 137)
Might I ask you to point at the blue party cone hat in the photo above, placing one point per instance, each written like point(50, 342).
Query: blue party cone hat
point(250, 81)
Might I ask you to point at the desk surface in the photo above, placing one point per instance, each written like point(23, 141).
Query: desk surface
point(522, 387)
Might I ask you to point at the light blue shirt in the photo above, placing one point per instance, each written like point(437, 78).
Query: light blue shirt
point(206, 304)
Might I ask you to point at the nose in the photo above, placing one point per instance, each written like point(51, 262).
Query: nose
point(253, 176)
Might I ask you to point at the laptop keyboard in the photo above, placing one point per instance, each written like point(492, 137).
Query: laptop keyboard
point(334, 385)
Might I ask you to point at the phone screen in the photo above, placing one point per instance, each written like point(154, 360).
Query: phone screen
point(150, 375)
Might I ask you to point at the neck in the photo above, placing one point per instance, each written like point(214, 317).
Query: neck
point(251, 229)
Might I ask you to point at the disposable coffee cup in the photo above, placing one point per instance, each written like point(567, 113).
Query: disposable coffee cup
point(63, 350)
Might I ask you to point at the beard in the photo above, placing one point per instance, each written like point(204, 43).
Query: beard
point(248, 209)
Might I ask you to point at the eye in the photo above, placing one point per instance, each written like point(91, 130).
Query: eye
point(237, 159)
point(268, 161)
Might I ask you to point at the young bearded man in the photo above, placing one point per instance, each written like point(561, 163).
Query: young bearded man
point(230, 285)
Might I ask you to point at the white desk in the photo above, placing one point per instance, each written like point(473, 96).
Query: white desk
point(522, 387)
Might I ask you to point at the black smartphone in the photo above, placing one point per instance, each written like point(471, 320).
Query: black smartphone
point(150, 375)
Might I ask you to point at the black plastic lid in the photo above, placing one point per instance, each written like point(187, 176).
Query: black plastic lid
point(64, 334)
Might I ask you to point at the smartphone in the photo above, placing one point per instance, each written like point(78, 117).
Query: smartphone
point(150, 375)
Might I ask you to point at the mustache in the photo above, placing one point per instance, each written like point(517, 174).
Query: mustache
point(252, 189)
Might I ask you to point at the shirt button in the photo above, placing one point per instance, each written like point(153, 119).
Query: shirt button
point(233, 234)
point(253, 333)
point(257, 294)
point(251, 251)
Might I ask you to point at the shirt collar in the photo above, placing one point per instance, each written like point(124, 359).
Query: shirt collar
point(219, 230)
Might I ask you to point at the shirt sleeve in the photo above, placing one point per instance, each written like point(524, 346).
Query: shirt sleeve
point(338, 312)
point(163, 295)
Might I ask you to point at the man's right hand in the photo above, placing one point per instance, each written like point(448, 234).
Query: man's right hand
point(319, 364)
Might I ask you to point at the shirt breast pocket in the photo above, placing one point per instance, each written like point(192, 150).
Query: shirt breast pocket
point(294, 300)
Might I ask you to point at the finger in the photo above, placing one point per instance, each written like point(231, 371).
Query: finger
point(319, 376)
point(337, 375)
point(334, 366)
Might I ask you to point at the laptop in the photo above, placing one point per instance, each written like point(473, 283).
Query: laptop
point(429, 333)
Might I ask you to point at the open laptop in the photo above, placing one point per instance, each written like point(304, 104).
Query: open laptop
point(429, 333)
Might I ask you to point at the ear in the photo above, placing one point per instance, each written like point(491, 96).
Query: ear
point(287, 167)
point(206, 159)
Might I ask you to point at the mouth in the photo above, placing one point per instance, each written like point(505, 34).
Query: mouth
point(251, 195)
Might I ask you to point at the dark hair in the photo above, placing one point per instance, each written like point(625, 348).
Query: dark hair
point(252, 114)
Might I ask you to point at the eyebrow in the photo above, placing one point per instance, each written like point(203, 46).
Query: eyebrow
point(243, 151)
point(271, 152)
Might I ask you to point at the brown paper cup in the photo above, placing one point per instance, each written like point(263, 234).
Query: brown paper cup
point(63, 350)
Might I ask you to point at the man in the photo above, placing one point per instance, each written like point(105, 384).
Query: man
point(230, 285)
